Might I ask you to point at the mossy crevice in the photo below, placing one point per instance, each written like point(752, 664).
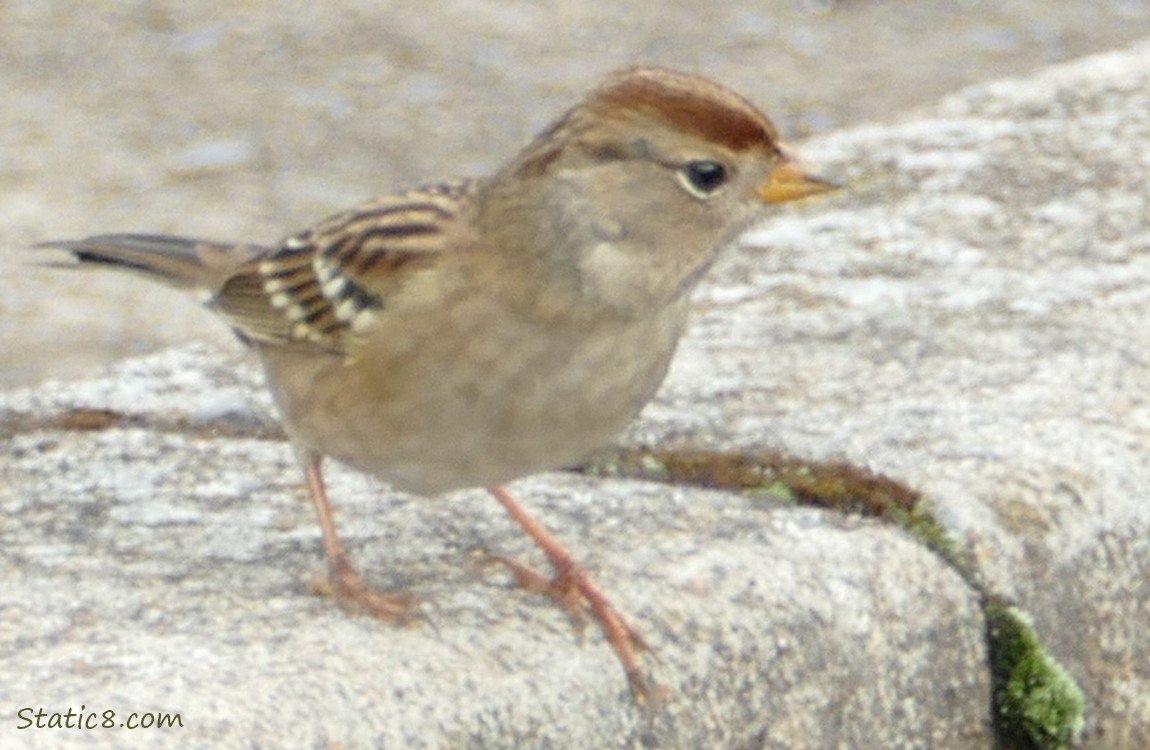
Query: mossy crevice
point(1035, 704)
point(834, 485)
point(1038, 705)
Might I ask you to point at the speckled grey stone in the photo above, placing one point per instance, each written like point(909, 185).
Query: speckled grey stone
point(151, 570)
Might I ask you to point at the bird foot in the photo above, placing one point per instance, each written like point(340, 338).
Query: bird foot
point(574, 591)
point(347, 587)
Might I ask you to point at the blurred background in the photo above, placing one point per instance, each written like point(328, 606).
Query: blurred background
point(247, 120)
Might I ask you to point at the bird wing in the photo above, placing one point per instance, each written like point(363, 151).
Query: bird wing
point(329, 281)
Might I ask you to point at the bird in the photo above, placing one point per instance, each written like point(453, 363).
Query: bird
point(470, 332)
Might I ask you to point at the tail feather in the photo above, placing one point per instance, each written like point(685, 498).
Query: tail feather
point(176, 261)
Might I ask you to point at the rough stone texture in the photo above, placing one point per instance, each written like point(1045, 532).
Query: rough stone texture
point(969, 318)
point(166, 571)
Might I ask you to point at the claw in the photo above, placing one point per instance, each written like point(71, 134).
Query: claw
point(348, 588)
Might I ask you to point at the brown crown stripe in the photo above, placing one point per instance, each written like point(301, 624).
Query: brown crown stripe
point(691, 105)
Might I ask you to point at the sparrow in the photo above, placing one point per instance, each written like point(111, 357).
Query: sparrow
point(467, 333)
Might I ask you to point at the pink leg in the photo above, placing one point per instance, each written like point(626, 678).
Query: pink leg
point(571, 586)
point(344, 582)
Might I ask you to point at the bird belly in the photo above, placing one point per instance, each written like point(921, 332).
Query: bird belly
point(477, 403)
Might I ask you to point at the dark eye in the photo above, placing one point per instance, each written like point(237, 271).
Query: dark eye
point(704, 177)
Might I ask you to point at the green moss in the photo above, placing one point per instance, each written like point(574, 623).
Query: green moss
point(1037, 705)
point(778, 491)
point(920, 523)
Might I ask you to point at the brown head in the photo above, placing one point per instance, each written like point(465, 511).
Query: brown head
point(646, 178)
point(651, 101)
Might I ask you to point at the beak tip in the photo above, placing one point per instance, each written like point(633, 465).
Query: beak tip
point(794, 184)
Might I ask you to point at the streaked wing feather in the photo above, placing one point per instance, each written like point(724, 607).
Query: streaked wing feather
point(326, 282)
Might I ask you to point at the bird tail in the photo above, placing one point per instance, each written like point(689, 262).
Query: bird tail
point(176, 261)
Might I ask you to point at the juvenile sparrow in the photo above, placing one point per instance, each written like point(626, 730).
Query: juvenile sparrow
point(467, 333)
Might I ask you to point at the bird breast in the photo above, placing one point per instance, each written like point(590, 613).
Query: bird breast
point(482, 398)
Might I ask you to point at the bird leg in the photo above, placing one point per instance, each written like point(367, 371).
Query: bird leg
point(343, 581)
point(571, 586)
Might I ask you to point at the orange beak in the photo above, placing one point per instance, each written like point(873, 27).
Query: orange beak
point(788, 182)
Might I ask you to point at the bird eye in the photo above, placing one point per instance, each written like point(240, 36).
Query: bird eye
point(703, 177)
